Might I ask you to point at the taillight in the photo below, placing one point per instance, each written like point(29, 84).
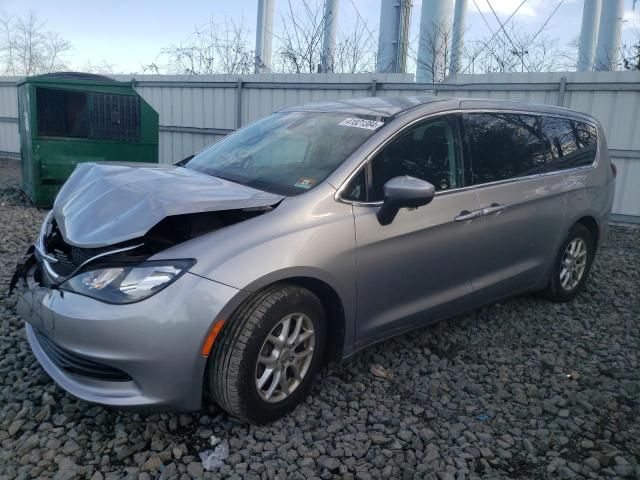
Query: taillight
point(614, 169)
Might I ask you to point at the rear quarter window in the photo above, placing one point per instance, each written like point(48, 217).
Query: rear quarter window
point(570, 143)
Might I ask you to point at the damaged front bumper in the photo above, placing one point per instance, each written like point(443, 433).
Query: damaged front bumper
point(144, 355)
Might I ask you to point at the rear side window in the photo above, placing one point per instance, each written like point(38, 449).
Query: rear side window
point(504, 145)
point(570, 143)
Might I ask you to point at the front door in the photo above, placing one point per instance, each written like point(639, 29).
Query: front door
point(416, 269)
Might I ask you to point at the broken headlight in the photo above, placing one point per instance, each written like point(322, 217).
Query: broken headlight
point(127, 284)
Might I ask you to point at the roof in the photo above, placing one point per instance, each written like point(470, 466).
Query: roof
point(73, 78)
point(371, 106)
point(391, 106)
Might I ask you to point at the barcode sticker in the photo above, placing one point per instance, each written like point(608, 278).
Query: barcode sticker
point(361, 123)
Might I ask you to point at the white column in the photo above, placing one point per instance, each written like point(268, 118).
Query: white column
point(329, 42)
point(588, 34)
point(608, 45)
point(457, 36)
point(264, 35)
point(435, 38)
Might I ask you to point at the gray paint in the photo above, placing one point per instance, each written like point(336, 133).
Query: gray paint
point(426, 265)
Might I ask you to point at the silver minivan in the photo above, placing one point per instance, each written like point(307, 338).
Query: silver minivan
point(305, 237)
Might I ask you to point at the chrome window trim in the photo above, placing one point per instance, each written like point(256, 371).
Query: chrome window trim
point(596, 162)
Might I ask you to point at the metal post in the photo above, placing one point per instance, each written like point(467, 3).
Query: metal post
point(402, 38)
point(435, 32)
point(588, 34)
point(329, 42)
point(374, 87)
point(457, 37)
point(239, 104)
point(393, 40)
point(608, 46)
point(264, 35)
point(391, 34)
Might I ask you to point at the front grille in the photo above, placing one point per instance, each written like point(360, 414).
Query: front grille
point(77, 365)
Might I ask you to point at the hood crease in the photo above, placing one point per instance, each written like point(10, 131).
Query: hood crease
point(105, 204)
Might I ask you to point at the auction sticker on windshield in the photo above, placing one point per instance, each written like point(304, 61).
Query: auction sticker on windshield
point(361, 123)
point(305, 182)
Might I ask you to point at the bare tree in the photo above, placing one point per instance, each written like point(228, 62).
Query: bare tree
point(211, 48)
point(28, 48)
point(631, 56)
point(631, 51)
point(434, 52)
point(356, 50)
point(301, 38)
point(515, 50)
point(300, 42)
point(101, 68)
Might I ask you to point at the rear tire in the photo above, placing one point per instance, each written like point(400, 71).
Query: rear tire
point(571, 265)
point(266, 357)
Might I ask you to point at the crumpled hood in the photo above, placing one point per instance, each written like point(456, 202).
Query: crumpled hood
point(104, 204)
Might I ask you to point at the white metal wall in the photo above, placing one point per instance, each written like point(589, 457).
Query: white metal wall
point(197, 111)
point(9, 136)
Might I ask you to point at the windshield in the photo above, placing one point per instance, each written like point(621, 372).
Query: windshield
point(286, 153)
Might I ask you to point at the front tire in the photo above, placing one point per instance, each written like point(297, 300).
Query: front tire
point(264, 362)
point(571, 266)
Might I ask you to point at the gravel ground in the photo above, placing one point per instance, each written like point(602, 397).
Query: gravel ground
point(522, 389)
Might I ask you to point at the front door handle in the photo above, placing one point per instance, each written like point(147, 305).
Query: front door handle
point(467, 215)
point(493, 208)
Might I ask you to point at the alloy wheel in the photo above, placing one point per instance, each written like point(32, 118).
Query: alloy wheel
point(574, 262)
point(285, 357)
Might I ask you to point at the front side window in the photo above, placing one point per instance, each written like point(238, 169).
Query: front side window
point(286, 153)
point(427, 151)
point(570, 143)
point(504, 145)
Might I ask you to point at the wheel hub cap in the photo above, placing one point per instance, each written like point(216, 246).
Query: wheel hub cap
point(573, 264)
point(285, 357)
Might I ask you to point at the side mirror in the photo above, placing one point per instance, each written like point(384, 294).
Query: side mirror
point(404, 192)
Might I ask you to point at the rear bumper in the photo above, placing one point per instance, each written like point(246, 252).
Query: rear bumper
point(144, 355)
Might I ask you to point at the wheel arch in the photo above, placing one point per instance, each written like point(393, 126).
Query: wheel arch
point(334, 311)
point(333, 300)
point(590, 224)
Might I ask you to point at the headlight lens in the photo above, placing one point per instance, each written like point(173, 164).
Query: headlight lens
point(127, 284)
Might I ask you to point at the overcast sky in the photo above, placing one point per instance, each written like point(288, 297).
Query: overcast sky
point(130, 34)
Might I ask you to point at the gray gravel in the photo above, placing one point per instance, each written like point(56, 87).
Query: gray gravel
point(521, 389)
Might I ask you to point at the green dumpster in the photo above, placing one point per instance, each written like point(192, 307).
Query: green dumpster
point(68, 118)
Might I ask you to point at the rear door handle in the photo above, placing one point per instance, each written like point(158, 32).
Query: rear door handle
point(493, 208)
point(467, 215)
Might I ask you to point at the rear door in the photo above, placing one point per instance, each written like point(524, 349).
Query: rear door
point(415, 269)
point(523, 203)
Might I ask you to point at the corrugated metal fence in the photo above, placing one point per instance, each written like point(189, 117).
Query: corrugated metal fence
point(196, 111)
